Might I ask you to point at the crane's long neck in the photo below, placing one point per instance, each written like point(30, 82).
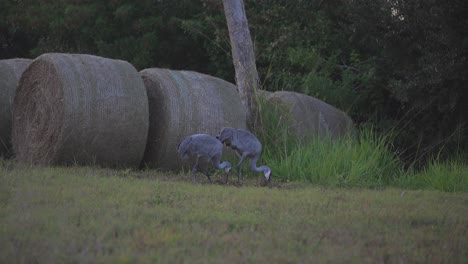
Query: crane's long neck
point(265, 169)
point(253, 166)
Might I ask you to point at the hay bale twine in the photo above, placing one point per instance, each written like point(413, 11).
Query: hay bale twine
point(80, 109)
point(183, 103)
point(10, 73)
point(310, 116)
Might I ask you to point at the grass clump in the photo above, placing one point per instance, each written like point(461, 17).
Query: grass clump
point(448, 176)
point(365, 161)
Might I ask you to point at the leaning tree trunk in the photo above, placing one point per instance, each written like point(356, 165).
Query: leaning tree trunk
point(244, 59)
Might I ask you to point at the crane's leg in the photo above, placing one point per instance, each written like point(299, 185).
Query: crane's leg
point(209, 178)
point(239, 166)
point(194, 170)
point(216, 164)
point(206, 172)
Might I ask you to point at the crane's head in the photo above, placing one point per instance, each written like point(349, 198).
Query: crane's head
point(225, 136)
point(267, 173)
point(227, 166)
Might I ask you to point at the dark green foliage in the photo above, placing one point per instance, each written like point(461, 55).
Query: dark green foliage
point(429, 69)
point(400, 66)
point(145, 33)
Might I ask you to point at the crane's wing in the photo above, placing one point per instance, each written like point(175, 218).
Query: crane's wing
point(184, 147)
point(246, 141)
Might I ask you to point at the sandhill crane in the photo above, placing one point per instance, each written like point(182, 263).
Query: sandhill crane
point(205, 147)
point(246, 145)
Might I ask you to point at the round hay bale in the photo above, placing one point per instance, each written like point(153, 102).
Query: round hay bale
point(183, 103)
point(80, 109)
point(10, 73)
point(310, 116)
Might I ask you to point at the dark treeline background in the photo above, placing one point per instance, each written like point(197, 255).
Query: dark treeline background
point(398, 66)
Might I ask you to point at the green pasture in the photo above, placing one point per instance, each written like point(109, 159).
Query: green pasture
point(86, 214)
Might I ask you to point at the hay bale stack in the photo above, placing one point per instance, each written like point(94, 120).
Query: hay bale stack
point(183, 103)
point(10, 73)
point(80, 109)
point(310, 116)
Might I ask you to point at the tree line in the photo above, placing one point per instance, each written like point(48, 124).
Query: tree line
point(398, 66)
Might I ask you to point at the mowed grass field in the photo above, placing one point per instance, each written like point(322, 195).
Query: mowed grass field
point(84, 214)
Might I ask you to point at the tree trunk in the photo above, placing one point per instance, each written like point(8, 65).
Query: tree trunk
point(243, 58)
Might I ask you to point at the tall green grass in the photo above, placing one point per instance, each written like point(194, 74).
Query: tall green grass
point(448, 176)
point(367, 162)
point(362, 161)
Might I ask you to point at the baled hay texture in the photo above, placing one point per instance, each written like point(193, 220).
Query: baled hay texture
point(183, 103)
point(310, 116)
point(80, 109)
point(10, 73)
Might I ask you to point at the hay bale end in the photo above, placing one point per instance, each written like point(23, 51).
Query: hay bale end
point(80, 109)
point(309, 116)
point(10, 73)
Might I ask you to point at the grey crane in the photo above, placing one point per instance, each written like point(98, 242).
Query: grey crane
point(246, 145)
point(203, 146)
